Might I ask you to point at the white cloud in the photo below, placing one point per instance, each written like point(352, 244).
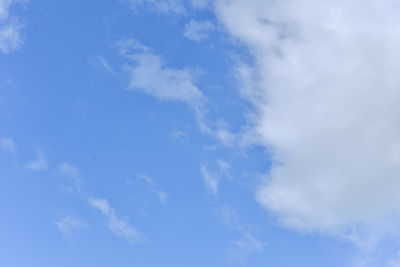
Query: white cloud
point(39, 164)
point(161, 195)
point(169, 7)
point(230, 217)
point(69, 224)
point(149, 74)
point(10, 37)
point(325, 85)
point(118, 226)
point(200, 4)
point(8, 145)
point(225, 136)
point(161, 6)
point(102, 62)
point(247, 244)
point(210, 180)
point(70, 172)
point(4, 8)
point(198, 30)
point(180, 135)
point(10, 28)
point(224, 167)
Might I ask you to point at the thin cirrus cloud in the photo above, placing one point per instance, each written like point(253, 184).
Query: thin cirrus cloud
point(213, 177)
point(69, 224)
point(148, 73)
point(198, 30)
point(201, 4)
point(8, 145)
point(242, 247)
point(71, 173)
point(210, 180)
point(324, 84)
point(10, 28)
point(153, 187)
point(38, 164)
point(120, 227)
point(117, 225)
point(247, 243)
point(160, 6)
point(168, 7)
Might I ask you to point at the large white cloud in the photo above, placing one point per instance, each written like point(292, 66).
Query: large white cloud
point(326, 86)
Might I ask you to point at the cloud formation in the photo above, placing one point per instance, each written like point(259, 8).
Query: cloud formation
point(200, 4)
point(324, 82)
point(71, 173)
point(153, 187)
point(198, 30)
point(247, 244)
point(118, 226)
point(212, 178)
point(161, 6)
point(10, 28)
point(149, 74)
point(69, 224)
point(8, 145)
point(39, 164)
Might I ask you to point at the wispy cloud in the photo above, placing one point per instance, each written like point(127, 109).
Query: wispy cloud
point(180, 135)
point(242, 247)
point(70, 172)
point(102, 62)
point(161, 195)
point(39, 164)
point(212, 178)
point(10, 28)
point(198, 30)
point(69, 224)
point(229, 217)
point(148, 73)
point(168, 7)
point(160, 6)
point(201, 4)
point(118, 226)
point(8, 145)
point(248, 241)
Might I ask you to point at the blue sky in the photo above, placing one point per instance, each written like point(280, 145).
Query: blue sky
point(199, 133)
